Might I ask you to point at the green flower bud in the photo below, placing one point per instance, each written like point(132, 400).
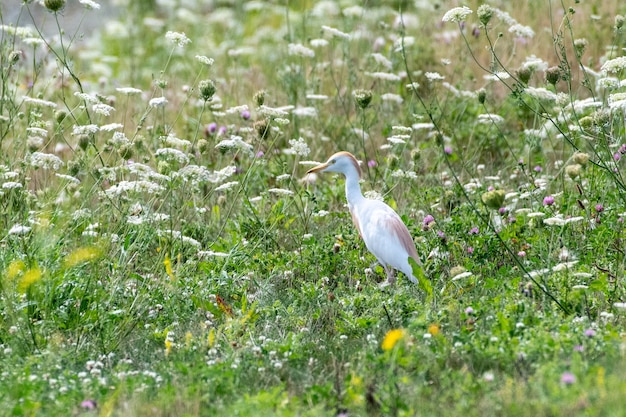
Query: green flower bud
point(363, 98)
point(553, 75)
point(54, 5)
point(83, 142)
point(262, 129)
point(60, 115)
point(524, 74)
point(207, 89)
point(482, 95)
point(259, 97)
point(203, 145)
point(125, 151)
point(485, 13)
point(493, 199)
point(393, 161)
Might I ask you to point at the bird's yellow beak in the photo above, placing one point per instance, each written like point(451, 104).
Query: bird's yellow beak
point(317, 168)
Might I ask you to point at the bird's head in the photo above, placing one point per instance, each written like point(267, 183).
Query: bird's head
point(342, 162)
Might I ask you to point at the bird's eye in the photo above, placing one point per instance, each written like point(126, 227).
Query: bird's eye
point(332, 161)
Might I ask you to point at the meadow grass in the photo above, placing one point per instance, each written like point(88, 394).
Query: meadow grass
point(162, 252)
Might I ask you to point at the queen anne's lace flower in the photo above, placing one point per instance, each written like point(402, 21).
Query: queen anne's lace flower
point(457, 14)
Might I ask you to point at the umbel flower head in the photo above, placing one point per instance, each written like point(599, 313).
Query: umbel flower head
point(485, 13)
point(54, 5)
point(457, 14)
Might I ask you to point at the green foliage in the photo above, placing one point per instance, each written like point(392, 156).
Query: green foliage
point(162, 254)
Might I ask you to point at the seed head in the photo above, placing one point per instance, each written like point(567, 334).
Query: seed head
point(573, 171)
point(60, 115)
point(83, 142)
point(581, 158)
point(125, 151)
point(393, 161)
point(493, 199)
point(619, 21)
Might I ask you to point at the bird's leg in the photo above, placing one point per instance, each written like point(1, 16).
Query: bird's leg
point(391, 275)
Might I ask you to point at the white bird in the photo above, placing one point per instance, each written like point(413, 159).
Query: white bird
point(382, 230)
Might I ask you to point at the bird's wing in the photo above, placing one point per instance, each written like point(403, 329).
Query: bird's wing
point(355, 220)
point(388, 219)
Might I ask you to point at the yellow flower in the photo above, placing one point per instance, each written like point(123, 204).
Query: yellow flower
point(433, 329)
point(211, 338)
point(81, 255)
point(168, 267)
point(168, 346)
point(29, 278)
point(14, 268)
point(391, 338)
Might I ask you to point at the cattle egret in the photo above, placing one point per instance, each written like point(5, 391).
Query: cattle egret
point(382, 230)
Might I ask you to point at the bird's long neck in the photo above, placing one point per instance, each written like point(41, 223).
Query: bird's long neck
point(353, 189)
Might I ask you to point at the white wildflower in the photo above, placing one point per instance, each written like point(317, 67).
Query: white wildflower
point(84, 130)
point(237, 109)
point(103, 109)
point(434, 76)
point(280, 191)
point(111, 127)
point(205, 60)
point(498, 76)
point(336, 32)
point(300, 50)
point(226, 186)
point(398, 139)
point(282, 177)
point(396, 98)
point(158, 102)
point(373, 195)
point(457, 14)
point(318, 43)
point(424, 126)
point(67, 178)
point(89, 4)
point(140, 186)
point(89, 98)
point(128, 90)
point(533, 63)
point(316, 97)
point(235, 142)
point(39, 102)
point(272, 112)
point(540, 93)
point(413, 86)
point(36, 131)
point(387, 76)
point(18, 229)
point(170, 154)
point(305, 112)
point(175, 234)
point(45, 161)
point(522, 31)
point(281, 121)
point(614, 66)
point(172, 141)
point(401, 130)
point(12, 185)
point(299, 147)
point(210, 253)
point(488, 118)
point(178, 38)
point(382, 60)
